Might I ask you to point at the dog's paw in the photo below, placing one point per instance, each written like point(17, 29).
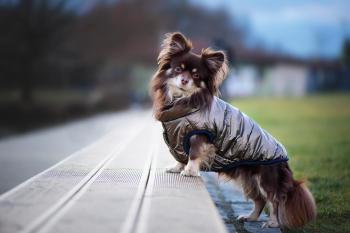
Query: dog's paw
point(190, 172)
point(245, 218)
point(270, 224)
point(174, 169)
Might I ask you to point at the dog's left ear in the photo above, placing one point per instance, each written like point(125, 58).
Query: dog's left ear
point(217, 65)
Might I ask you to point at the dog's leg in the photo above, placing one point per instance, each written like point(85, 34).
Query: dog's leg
point(251, 190)
point(259, 205)
point(192, 168)
point(197, 154)
point(177, 168)
point(272, 222)
point(269, 184)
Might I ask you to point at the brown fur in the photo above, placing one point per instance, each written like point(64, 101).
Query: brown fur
point(291, 201)
point(213, 65)
point(275, 184)
point(299, 208)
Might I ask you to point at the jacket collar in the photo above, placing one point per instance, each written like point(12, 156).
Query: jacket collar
point(175, 111)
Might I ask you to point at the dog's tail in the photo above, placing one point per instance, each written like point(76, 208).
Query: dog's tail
point(298, 208)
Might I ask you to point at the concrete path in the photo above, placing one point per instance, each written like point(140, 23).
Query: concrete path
point(230, 202)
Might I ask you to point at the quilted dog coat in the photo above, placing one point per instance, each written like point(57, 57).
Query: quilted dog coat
point(237, 138)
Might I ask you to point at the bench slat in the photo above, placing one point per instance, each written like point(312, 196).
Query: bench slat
point(23, 208)
point(104, 204)
point(174, 203)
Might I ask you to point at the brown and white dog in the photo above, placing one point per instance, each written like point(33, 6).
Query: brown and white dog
point(291, 203)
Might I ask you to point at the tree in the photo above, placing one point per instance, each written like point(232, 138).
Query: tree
point(345, 54)
point(31, 30)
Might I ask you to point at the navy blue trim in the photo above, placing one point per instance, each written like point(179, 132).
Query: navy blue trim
point(186, 140)
point(253, 162)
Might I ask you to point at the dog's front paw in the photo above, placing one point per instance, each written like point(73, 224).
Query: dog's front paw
point(175, 169)
point(270, 224)
point(245, 218)
point(190, 172)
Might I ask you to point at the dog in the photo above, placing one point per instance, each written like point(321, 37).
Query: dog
point(205, 133)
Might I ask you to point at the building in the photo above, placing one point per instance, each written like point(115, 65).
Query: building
point(259, 73)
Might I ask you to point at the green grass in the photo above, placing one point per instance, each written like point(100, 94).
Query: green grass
point(316, 132)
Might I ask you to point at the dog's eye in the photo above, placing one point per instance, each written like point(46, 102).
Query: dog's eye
point(195, 75)
point(178, 69)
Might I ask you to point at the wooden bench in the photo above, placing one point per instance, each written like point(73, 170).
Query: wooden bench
point(119, 184)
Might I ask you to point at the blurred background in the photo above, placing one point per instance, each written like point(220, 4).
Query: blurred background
point(61, 59)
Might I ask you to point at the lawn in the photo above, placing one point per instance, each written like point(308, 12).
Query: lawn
point(316, 132)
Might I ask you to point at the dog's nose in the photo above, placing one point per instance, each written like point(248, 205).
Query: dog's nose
point(184, 81)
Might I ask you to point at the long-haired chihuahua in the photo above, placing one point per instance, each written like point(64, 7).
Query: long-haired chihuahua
point(205, 133)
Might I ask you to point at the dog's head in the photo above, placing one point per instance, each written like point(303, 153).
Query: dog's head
point(188, 73)
point(183, 74)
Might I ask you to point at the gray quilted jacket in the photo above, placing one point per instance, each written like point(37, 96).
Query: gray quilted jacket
point(238, 139)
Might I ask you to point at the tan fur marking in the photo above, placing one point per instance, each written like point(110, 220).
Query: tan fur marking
point(194, 70)
point(183, 66)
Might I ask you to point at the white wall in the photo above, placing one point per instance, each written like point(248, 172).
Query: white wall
point(242, 82)
point(285, 79)
point(278, 80)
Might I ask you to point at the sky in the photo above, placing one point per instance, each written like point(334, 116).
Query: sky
point(302, 28)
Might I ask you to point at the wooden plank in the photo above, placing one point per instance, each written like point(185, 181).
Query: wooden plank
point(174, 203)
point(24, 156)
point(26, 207)
point(110, 202)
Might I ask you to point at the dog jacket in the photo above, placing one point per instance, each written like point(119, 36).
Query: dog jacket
point(237, 138)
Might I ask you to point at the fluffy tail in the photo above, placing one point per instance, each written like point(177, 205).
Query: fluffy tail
point(299, 207)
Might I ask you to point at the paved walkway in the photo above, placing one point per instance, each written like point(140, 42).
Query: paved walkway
point(231, 204)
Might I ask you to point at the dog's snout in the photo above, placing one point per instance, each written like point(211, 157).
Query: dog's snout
point(184, 80)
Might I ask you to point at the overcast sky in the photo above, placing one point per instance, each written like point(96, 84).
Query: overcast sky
point(299, 27)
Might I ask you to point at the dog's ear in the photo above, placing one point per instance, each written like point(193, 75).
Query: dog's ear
point(174, 43)
point(217, 65)
point(213, 59)
point(177, 43)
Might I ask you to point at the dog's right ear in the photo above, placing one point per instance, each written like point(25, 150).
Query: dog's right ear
point(174, 43)
point(177, 43)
